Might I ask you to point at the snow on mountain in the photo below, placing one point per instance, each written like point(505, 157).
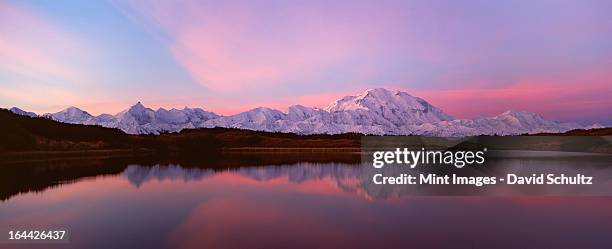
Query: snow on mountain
point(376, 111)
point(23, 113)
point(594, 126)
point(139, 119)
point(70, 115)
point(532, 123)
point(198, 116)
point(507, 123)
point(380, 111)
point(300, 112)
point(398, 108)
point(261, 118)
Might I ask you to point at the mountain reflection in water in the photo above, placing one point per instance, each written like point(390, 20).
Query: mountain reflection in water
point(301, 205)
point(346, 177)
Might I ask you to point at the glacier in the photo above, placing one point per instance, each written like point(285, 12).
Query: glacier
point(376, 111)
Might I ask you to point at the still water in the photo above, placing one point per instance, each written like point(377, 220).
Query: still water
point(117, 204)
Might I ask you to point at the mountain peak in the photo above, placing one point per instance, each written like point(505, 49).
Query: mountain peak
point(75, 112)
point(510, 112)
point(263, 109)
point(73, 109)
point(16, 110)
point(375, 96)
point(382, 92)
point(302, 108)
point(137, 108)
point(395, 106)
point(377, 90)
point(516, 113)
point(71, 115)
point(138, 105)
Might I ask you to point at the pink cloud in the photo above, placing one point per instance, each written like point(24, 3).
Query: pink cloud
point(233, 47)
point(230, 61)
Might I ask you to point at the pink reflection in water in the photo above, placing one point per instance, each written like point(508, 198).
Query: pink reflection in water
point(272, 207)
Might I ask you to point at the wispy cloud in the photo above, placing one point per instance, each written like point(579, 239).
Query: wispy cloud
point(229, 46)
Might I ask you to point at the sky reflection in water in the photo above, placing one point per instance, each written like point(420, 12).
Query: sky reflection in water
point(300, 206)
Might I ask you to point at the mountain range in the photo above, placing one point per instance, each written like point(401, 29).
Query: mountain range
point(376, 111)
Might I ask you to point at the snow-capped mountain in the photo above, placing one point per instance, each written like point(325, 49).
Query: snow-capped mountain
point(507, 123)
point(137, 119)
point(70, 115)
point(398, 108)
point(376, 111)
point(22, 112)
point(261, 118)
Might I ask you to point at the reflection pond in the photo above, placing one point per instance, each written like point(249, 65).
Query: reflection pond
point(127, 204)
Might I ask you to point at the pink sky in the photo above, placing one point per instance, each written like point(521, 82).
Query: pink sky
point(468, 59)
